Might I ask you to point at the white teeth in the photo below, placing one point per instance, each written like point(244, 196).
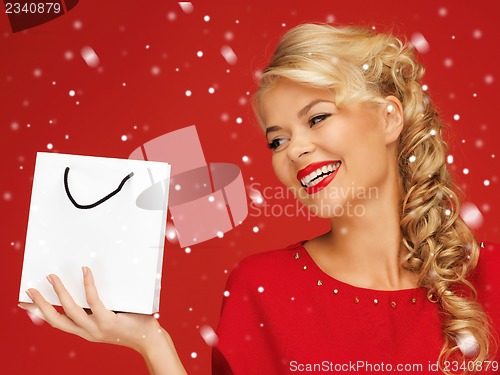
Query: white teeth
point(315, 182)
point(307, 180)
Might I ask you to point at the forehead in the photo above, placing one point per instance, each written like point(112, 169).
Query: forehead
point(287, 98)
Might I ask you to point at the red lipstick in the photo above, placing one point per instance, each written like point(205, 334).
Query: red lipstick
point(325, 180)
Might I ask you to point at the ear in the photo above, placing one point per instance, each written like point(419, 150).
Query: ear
point(392, 113)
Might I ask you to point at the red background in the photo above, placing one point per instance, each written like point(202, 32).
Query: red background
point(462, 61)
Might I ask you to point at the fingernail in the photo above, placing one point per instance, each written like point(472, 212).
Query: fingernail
point(85, 270)
point(49, 278)
point(20, 306)
point(29, 293)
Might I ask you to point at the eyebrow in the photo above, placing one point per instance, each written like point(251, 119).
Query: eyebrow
point(308, 107)
point(300, 114)
point(272, 129)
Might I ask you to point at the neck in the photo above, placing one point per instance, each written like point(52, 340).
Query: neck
point(364, 247)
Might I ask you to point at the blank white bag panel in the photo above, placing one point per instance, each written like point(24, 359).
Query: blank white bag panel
point(120, 239)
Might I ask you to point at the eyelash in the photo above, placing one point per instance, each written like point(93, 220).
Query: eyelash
point(322, 117)
point(273, 145)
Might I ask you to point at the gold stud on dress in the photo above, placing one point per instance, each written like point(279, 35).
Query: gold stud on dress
point(375, 301)
point(320, 282)
point(413, 300)
point(297, 256)
point(483, 245)
point(393, 304)
point(335, 291)
point(304, 268)
point(356, 300)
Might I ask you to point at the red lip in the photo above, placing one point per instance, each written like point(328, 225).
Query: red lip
point(311, 168)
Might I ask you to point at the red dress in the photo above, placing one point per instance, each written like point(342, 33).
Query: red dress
point(283, 315)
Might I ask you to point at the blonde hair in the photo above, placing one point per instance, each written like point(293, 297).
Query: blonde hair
point(360, 66)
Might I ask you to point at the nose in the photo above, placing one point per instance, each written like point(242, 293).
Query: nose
point(299, 146)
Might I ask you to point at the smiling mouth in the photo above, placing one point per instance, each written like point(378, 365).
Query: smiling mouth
point(315, 177)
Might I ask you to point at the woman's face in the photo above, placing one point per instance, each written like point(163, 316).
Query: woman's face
point(330, 157)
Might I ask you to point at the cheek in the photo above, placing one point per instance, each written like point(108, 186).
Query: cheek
point(277, 167)
point(282, 169)
point(370, 165)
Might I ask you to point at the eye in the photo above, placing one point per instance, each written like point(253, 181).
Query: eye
point(275, 143)
point(318, 118)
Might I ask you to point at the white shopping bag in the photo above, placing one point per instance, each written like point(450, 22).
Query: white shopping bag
point(94, 211)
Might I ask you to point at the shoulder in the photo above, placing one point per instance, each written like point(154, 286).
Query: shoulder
point(264, 268)
point(486, 275)
point(490, 254)
point(252, 296)
point(266, 271)
point(486, 280)
point(268, 259)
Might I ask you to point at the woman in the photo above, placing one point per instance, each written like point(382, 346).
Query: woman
point(356, 138)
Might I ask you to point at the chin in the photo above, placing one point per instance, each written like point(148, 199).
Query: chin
point(327, 209)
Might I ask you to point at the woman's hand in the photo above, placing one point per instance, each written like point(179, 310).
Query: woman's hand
point(142, 333)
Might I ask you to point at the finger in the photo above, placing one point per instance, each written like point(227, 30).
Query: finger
point(72, 310)
point(47, 312)
point(32, 308)
point(24, 305)
point(33, 311)
point(95, 303)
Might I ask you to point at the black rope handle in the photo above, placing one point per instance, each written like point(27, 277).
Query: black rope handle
point(102, 200)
